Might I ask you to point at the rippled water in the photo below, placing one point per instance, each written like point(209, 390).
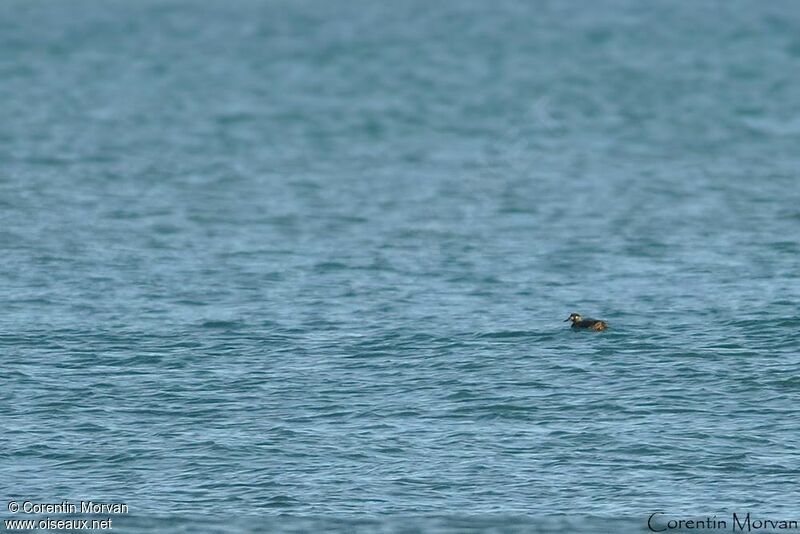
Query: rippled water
point(304, 266)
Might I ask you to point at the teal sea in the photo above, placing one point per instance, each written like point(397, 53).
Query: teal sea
point(303, 266)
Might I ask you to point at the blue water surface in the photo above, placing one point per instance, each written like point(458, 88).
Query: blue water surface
point(274, 266)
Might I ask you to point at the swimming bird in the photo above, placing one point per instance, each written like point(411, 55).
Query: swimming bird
point(591, 324)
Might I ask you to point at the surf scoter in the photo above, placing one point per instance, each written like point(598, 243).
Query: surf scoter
point(591, 324)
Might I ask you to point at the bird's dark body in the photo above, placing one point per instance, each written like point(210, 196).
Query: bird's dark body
point(579, 323)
